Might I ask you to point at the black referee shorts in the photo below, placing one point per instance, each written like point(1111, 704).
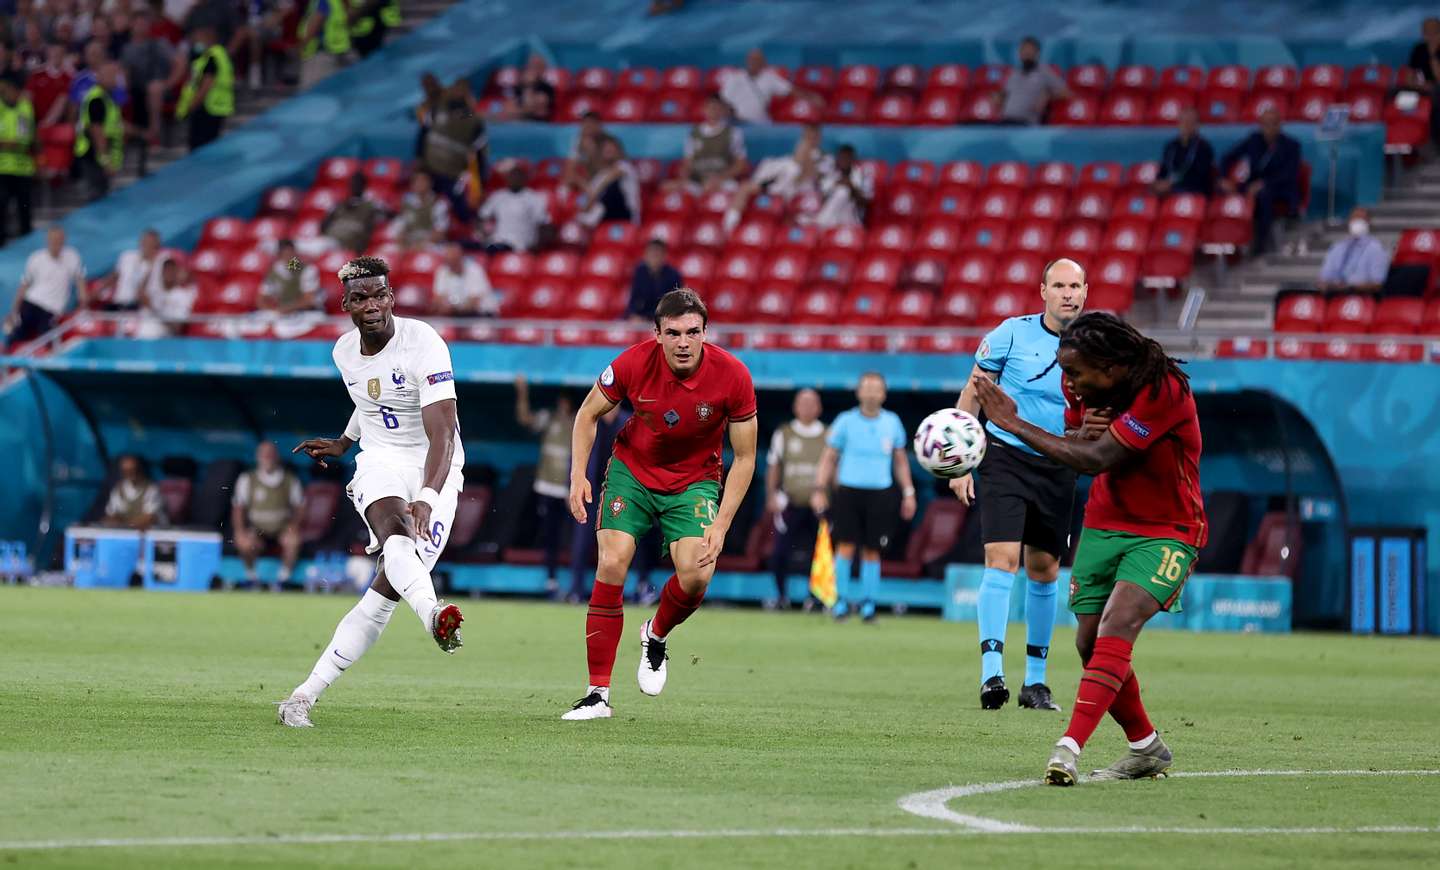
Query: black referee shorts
point(864, 517)
point(1025, 498)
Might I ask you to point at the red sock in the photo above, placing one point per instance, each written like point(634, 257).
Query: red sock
point(1130, 713)
point(1105, 673)
point(676, 605)
point(603, 624)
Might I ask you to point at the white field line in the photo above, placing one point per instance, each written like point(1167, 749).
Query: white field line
point(930, 804)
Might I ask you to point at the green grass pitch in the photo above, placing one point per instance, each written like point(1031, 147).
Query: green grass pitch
point(138, 730)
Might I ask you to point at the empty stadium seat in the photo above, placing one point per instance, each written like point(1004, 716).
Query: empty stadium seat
point(1229, 225)
point(912, 307)
point(1078, 110)
point(950, 76)
point(1166, 106)
point(1123, 109)
point(938, 108)
point(1137, 78)
point(1398, 316)
point(895, 238)
point(1300, 312)
point(1394, 351)
point(1349, 313)
point(1171, 254)
point(1242, 348)
point(975, 269)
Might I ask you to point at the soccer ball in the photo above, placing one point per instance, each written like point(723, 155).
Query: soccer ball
point(950, 443)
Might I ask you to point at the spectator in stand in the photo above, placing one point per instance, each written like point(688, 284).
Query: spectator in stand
point(208, 97)
point(791, 465)
point(100, 133)
point(1357, 263)
point(136, 273)
point(584, 159)
point(516, 218)
point(424, 216)
point(288, 290)
point(265, 513)
point(1270, 175)
point(149, 62)
point(614, 192)
point(370, 20)
point(1030, 88)
point(1423, 71)
point(453, 146)
point(48, 86)
point(653, 278)
point(846, 189)
point(18, 147)
point(532, 98)
point(781, 177)
point(169, 303)
point(714, 151)
point(95, 56)
point(350, 224)
point(462, 289)
point(432, 99)
point(1187, 165)
point(134, 501)
point(44, 291)
point(748, 91)
point(324, 39)
point(552, 472)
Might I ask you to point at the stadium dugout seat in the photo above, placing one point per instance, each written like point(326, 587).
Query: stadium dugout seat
point(1135, 79)
point(1398, 316)
point(1350, 313)
point(936, 533)
point(1300, 312)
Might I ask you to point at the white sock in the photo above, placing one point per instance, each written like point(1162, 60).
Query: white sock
point(650, 631)
point(1144, 741)
point(603, 690)
point(356, 633)
point(1069, 743)
point(407, 575)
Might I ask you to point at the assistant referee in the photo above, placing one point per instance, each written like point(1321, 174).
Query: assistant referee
point(1025, 499)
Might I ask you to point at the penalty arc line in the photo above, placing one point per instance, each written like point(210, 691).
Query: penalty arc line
point(933, 805)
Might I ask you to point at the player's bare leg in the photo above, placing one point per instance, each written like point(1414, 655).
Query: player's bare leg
point(681, 597)
point(1105, 643)
point(604, 622)
point(406, 574)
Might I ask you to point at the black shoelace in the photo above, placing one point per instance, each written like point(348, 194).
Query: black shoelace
point(655, 653)
point(589, 700)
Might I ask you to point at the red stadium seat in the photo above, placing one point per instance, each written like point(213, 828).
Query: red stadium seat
point(1107, 297)
point(641, 79)
point(1047, 204)
point(672, 107)
point(846, 238)
point(999, 203)
point(1278, 77)
point(1342, 350)
point(559, 265)
point(705, 233)
point(973, 269)
point(773, 304)
point(1242, 348)
point(1220, 107)
point(910, 308)
point(937, 236)
point(669, 203)
point(900, 203)
point(281, 201)
point(905, 77)
point(1092, 203)
point(1134, 205)
point(859, 76)
point(924, 272)
point(1135, 79)
point(267, 230)
point(649, 171)
point(1079, 240)
point(336, 171)
point(412, 293)
point(511, 266)
point(599, 299)
point(1079, 110)
point(950, 76)
point(1232, 77)
point(958, 306)
point(865, 305)
point(939, 108)
point(1115, 274)
point(879, 268)
point(1005, 302)
point(848, 107)
point(830, 267)
point(1376, 76)
point(951, 202)
point(1131, 235)
point(384, 171)
point(986, 234)
point(1123, 109)
point(1365, 106)
point(978, 106)
point(1398, 315)
point(754, 234)
point(1102, 174)
point(1032, 235)
point(1323, 76)
point(696, 267)
point(1020, 269)
point(1263, 101)
point(669, 230)
point(1394, 351)
point(818, 304)
point(794, 110)
point(1430, 324)
point(896, 238)
point(544, 299)
point(238, 295)
point(1171, 255)
point(730, 302)
point(618, 237)
point(212, 262)
point(1055, 173)
point(595, 80)
point(820, 79)
point(1188, 207)
point(1166, 107)
point(893, 110)
point(1309, 105)
point(800, 238)
point(1229, 226)
point(1190, 78)
point(921, 172)
point(1300, 312)
point(962, 173)
point(1420, 247)
point(1294, 348)
point(1351, 313)
point(224, 232)
point(1089, 78)
point(786, 268)
point(1142, 175)
point(1008, 173)
point(1406, 127)
point(992, 76)
point(682, 78)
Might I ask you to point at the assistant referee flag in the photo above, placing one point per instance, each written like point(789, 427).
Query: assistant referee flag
point(822, 567)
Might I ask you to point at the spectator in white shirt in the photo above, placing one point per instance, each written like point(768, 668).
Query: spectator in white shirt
point(1358, 262)
point(614, 192)
point(424, 216)
point(846, 189)
point(714, 151)
point(168, 304)
point(750, 90)
point(135, 273)
point(44, 291)
point(462, 288)
point(516, 218)
point(781, 177)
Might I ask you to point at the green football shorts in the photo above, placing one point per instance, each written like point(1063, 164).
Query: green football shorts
point(627, 505)
point(1160, 566)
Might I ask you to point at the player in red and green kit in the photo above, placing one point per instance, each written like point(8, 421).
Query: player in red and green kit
point(1131, 422)
point(665, 470)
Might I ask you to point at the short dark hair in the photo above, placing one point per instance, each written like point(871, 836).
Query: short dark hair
point(847, 148)
point(1030, 40)
point(658, 242)
point(1105, 340)
point(363, 267)
point(680, 302)
point(871, 374)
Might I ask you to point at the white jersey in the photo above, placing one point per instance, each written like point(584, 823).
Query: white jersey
point(389, 389)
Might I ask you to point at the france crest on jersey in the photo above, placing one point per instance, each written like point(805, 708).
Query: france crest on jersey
point(1021, 350)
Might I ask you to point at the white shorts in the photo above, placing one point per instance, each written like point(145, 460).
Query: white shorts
point(376, 480)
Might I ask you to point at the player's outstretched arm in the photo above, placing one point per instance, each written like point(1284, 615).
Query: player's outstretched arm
point(744, 435)
point(1085, 456)
point(441, 421)
point(582, 441)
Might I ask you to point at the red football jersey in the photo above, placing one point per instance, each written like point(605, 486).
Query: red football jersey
point(1156, 492)
point(677, 432)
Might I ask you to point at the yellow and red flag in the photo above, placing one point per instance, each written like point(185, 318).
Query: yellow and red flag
point(822, 567)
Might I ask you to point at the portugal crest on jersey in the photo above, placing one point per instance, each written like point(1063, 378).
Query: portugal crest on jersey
point(617, 506)
point(703, 411)
point(372, 388)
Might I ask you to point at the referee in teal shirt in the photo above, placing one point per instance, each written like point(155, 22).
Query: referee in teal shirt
point(865, 454)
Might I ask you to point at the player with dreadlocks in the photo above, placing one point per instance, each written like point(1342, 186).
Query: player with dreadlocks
point(1144, 524)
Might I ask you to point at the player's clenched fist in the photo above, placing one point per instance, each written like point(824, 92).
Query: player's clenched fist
point(579, 497)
